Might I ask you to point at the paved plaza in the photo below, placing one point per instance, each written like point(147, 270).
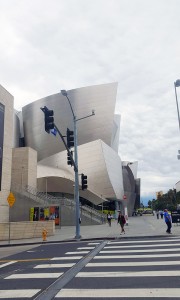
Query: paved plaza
point(138, 226)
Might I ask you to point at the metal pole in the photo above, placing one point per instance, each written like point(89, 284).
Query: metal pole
point(177, 104)
point(75, 162)
point(102, 213)
point(46, 192)
point(76, 190)
point(9, 227)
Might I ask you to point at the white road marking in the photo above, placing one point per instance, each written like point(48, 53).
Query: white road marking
point(66, 257)
point(140, 251)
point(152, 255)
point(11, 294)
point(77, 252)
point(129, 274)
point(142, 246)
point(8, 263)
point(44, 266)
point(33, 275)
point(135, 263)
point(141, 241)
point(93, 243)
point(85, 248)
point(118, 293)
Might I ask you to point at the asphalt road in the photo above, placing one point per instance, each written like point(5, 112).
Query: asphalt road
point(118, 269)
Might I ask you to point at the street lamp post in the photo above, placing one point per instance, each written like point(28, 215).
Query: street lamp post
point(177, 84)
point(76, 189)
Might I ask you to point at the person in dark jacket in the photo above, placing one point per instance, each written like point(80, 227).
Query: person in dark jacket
point(167, 219)
point(122, 222)
point(109, 217)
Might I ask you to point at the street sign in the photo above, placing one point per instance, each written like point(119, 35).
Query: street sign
point(11, 199)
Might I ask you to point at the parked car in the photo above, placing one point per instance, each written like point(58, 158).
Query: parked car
point(147, 212)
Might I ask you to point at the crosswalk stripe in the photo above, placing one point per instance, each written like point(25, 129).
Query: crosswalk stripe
point(152, 255)
point(134, 263)
point(85, 248)
point(11, 294)
point(118, 293)
point(8, 263)
point(33, 275)
point(44, 266)
point(141, 241)
point(140, 251)
point(77, 252)
point(129, 274)
point(142, 246)
point(93, 243)
point(66, 257)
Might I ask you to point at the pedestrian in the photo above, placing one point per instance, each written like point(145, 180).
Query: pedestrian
point(167, 219)
point(109, 217)
point(122, 222)
point(157, 214)
point(161, 214)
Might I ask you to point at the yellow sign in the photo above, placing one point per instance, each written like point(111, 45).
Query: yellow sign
point(11, 199)
point(31, 213)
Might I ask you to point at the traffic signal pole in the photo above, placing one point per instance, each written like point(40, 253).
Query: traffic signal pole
point(75, 163)
point(49, 124)
point(76, 190)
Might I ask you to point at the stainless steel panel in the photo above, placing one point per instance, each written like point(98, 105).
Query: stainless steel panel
point(101, 98)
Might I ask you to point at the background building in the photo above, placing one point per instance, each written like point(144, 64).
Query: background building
point(39, 160)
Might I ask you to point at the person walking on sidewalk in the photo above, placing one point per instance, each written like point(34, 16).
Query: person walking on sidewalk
point(122, 222)
point(157, 214)
point(161, 214)
point(109, 217)
point(167, 219)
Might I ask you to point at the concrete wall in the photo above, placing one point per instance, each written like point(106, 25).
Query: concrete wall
point(20, 211)
point(8, 101)
point(25, 230)
point(24, 166)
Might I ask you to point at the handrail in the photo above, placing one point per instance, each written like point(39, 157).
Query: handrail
point(46, 199)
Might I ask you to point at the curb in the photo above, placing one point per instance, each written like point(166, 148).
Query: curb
point(89, 239)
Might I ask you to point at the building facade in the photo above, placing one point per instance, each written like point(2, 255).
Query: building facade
point(39, 160)
point(6, 145)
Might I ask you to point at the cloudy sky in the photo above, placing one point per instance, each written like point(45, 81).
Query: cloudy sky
point(49, 45)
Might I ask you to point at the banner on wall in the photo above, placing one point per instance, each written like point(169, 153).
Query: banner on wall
point(45, 214)
point(36, 214)
point(1, 139)
point(31, 213)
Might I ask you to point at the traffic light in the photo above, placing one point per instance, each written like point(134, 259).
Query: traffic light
point(48, 119)
point(84, 182)
point(70, 138)
point(69, 161)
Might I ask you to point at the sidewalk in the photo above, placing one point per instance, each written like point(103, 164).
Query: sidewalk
point(140, 226)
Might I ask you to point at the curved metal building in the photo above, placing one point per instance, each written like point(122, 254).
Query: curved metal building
point(98, 143)
point(40, 159)
point(103, 125)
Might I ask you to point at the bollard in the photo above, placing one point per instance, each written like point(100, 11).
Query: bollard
point(44, 234)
